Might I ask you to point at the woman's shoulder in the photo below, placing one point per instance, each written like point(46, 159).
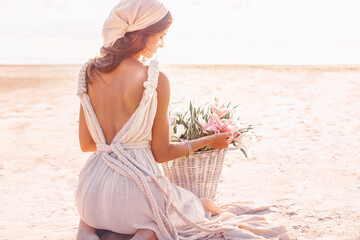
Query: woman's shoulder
point(133, 68)
point(139, 73)
point(163, 88)
point(163, 82)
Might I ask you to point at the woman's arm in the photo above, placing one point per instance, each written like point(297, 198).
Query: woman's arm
point(87, 144)
point(161, 147)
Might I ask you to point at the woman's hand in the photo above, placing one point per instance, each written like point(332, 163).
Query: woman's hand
point(220, 140)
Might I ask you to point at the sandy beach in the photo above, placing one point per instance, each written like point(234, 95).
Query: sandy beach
point(306, 166)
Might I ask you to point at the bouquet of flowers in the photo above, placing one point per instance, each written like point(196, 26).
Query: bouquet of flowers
point(200, 171)
point(211, 119)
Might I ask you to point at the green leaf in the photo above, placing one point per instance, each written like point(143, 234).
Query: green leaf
point(198, 124)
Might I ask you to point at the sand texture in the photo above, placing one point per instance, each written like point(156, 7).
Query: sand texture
point(307, 165)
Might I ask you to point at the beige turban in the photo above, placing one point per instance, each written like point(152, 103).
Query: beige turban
point(131, 15)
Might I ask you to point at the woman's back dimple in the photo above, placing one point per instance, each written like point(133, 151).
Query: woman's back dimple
point(116, 96)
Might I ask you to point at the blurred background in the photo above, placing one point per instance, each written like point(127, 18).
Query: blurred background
point(292, 66)
point(204, 31)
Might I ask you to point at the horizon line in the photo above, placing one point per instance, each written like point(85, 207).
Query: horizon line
point(200, 64)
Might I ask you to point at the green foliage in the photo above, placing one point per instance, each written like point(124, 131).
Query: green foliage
point(191, 123)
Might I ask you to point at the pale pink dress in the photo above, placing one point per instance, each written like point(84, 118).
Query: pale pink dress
point(121, 187)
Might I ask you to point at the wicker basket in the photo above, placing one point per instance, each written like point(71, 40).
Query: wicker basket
point(198, 173)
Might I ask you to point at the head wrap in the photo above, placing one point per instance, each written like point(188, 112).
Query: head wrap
point(131, 15)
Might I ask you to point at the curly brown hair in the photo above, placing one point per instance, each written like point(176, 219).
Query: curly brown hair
point(132, 43)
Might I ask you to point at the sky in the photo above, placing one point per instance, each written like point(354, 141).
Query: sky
point(203, 32)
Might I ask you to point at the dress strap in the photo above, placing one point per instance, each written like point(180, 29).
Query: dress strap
point(91, 119)
point(151, 83)
point(82, 86)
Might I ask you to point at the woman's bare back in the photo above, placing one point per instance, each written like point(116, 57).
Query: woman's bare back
point(116, 95)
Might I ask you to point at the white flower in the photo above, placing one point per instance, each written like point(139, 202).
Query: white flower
point(171, 132)
point(180, 130)
point(172, 121)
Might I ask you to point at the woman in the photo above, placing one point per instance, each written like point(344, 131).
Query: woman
point(124, 120)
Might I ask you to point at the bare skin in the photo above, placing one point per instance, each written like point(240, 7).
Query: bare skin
point(210, 206)
point(115, 96)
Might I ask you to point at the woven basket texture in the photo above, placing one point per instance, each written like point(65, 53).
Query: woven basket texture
point(198, 173)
